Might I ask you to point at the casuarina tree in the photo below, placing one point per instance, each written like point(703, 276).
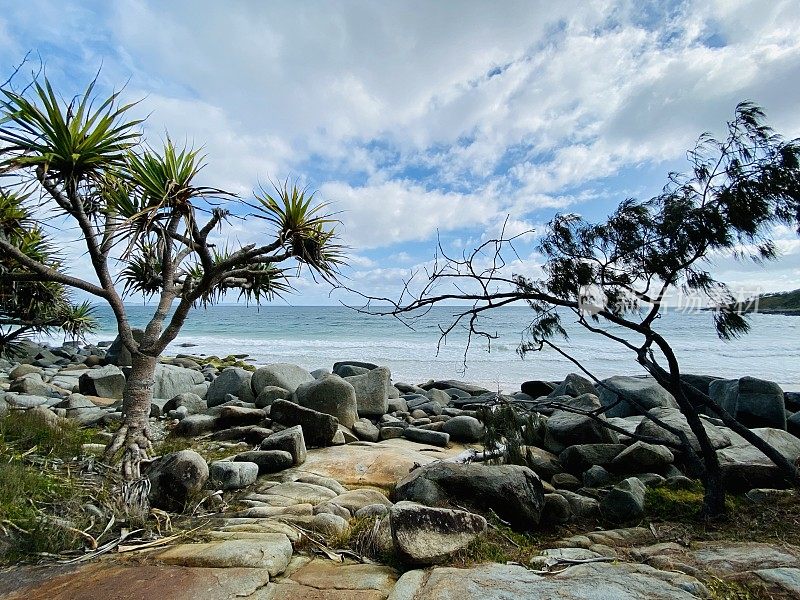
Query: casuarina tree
point(142, 213)
point(615, 277)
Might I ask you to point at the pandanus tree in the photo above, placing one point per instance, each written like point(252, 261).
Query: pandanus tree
point(33, 307)
point(142, 214)
point(615, 278)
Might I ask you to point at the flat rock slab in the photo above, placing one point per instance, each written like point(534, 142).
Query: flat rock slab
point(595, 581)
point(365, 464)
point(134, 582)
point(786, 578)
point(328, 575)
point(271, 552)
point(731, 558)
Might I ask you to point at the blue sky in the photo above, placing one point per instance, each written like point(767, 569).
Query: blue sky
point(414, 119)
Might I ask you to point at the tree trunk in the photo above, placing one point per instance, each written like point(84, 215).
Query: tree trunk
point(134, 435)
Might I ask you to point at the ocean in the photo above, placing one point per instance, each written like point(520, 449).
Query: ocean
point(317, 336)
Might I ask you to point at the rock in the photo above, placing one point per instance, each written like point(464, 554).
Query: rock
point(371, 510)
point(301, 493)
point(566, 429)
point(576, 459)
point(641, 457)
point(596, 477)
point(175, 478)
point(282, 375)
point(701, 382)
point(754, 402)
point(513, 492)
point(787, 578)
point(792, 401)
point(675, 418)
point(397, 405)
point(106, 382)
point(464, 428)
point(319, 373)
point(545, 464)
point(229, 475)
point(269, 394)
point(329, 524)
point(565, 481)
point(194, 425)
point(22, 370)
point(391, 433)
point(327, 482)
point(573, 385)
point(172, 380)
point(354, 363)
point(644, 390)
point(556, 509)
point(251, 434)
point(579, 505)
point(290, 440)
point(536, 388)
point(793, 424)
point(744, 467)
point(117, 354)
point(31, 384)
point(268, 461)
point(233, 416)
point(331, 395)
point(601, 581)
point(318, 428)
point(355, 500)
point(424, 535)
point(350, 371)
point(232, 380)
point(269, 551)
point(472, 390)
point(334, 509)
point(25, 400)
point(372, 391)
point(365, 430)
point(440, 396)
point(193, 403)
point(625, 501)
point(426, 436)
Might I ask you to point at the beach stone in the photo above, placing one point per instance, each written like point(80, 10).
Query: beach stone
point(193, 403)
point(576, 459)
point(514, 492)
point(573, 385)
point(270, 551)
point(443, 384)
point(319, 373)
point(744, 467)
point(106, 382)
point(174, 478)
point(229, 475)
point(464, 428)
point(545, 464)
point(600, 581)
point(371, 510)
point(22, 370)
point(194, 425)
point(556, 509)
point(595, 477)
point(701, 382)
point(268, 461)
point(440, 396)
point(282, 375)
point(645, 390)
point(318, 428)
point(390, 433)
point(356, 363)
point(675, 418)
point(269, 394)
point(234, 381)
point(329, 524)
point(537, 388)
point(334, 509)
point(564, 429)
point(579, 505)
point(372, 391)
point(426, 436)
point(355, 500)
point(233, 416)
point(327, 482)
point(350, 370)
point(642, 457)
point(331, 395)
point(25, 400)
point(425, 535)
point(31, 384)
point(625, 501)
point(365, 430)
point(290, 440)
point(171, 380)
point(787, 578)
point(302, 493)
point(753, 402)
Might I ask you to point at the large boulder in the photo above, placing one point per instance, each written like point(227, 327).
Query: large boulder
point(232, 380)
point(675, 418)
point(282, 375)
point(289, 440)
point(331, 395)
point(424, 535)
point(573, 385)
point(318, 428)
point(176, 478)
point(117, 354)
point(194, 404)
point(171, 380)
point(229, 475)
point(464, 428)
point(106, 382)
point(744, 467)
point(565, 428)
point(615, 391)
point(512, 491)
point(576, 459)
point(372, 391)
point(625, 501)
point(754, 402)
point(641, 457)
point(469, 388)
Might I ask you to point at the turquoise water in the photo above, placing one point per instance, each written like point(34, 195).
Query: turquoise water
point(315, 337)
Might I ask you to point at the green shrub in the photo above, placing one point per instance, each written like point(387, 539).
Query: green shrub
point(24, 430)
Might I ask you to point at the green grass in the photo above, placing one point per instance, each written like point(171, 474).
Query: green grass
point(730, 589)
point(667, 504)
point(26, 430)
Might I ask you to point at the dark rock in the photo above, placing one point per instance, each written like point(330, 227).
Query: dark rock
point(252, 434)
point(290, 440)
point(642, 457)
point(233, 416)
point(229, 475)
point(176, 478)
point(596, 476)
point(545, 464)
point(464, 429)
point(792, 401)
point(106, 382)
point(576, 459)
point(350, 371)
point(268, 461)
point(425, 436)
point(331, 395)
point(556, 509)
point(625, 502)
point(565, 481)
point(675, 418)
point(754, 402)
point(574, 385)
point(472, 390)
point(117, 354)
point(566, 429)
point(318, 428)
point(194, 425)
point(616, 391)
point(537, 388)
point(701, 382)
point(513, 492)
point(353, 363)
point(269, 394)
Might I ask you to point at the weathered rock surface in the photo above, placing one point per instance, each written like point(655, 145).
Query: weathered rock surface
point(171, 380)
point(229, 475)
point(289, 440)
point(566, 428)
point(331, 395)
point(176, 477)
point(318, 428)
point(745, 467)
point(675, 418)
point(754, 402)
point(282, 375)
point(270, 551)
point(372, 391)
point(234, 381)
point(645, 391)
point(625, 501)
point(106, 382)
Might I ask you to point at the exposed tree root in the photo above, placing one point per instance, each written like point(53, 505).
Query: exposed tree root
point(135, 439)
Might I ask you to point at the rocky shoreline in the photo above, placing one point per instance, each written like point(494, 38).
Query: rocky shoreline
point(302, 456)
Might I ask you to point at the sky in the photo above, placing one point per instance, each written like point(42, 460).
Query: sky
point(431, 122)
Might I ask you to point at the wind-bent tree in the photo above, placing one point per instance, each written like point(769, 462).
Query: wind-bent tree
point(616, 276)
point(143, 211)
point(33, 307)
